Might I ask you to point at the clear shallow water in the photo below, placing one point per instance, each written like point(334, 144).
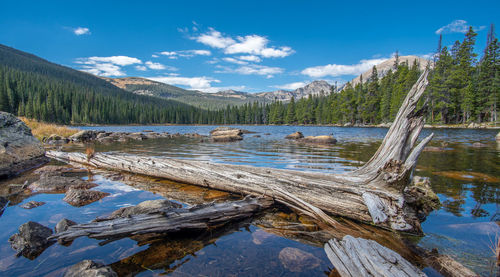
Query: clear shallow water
point(465, 179)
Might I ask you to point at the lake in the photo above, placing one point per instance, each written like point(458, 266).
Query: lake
point(465, 177)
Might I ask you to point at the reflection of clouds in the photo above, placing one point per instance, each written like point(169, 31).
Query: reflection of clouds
point(115, 186)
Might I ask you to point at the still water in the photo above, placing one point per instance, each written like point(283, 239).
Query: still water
point(465, 177)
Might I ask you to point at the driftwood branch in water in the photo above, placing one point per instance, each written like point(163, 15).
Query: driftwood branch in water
point(169, 220)
point(357, 257)
point(373, 193)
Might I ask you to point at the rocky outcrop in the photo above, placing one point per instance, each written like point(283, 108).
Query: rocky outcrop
point(81, 197)
point(110, 137)
point(55, 139)
point(19, 149)
point(55, 183)
point(88, 268)
point(296, 135)
point(146, 207)
point(31, 240)
point(226, 134)
point(31, 205)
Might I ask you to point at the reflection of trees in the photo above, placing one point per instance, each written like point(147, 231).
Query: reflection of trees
point(463, 159)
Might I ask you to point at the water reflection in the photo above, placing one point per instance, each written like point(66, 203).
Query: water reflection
point(464, 177)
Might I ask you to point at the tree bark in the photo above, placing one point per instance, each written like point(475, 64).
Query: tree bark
point(170, 220)
point(374, 193)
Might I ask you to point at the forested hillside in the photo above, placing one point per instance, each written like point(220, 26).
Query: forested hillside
point(463, 88)
point(36, 88)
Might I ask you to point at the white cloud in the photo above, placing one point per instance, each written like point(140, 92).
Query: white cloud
point(235, 61)
point(103, 69)
point(186, 53)
point(250, 44)
point(197, 83)
point(117, 60)
point(214, 39)
point(154, 56)
point(335, 70)
point(141, 67)
point(81, 31)
point(250, 58)
point(106, 66)
point(252, 69)
point(291, 86)
point(155, 66)
point(457, 26)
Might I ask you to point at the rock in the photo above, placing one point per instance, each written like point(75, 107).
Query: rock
point(226, 134)
point(226, 138)
point(434, 149)
point(498, 137)
point(19, 150)
point(81, 197)
point(102, 135)
point(32, 204)
point(320, 139)
point(55, 183)
point(85, 135)
point(137, 136)
point(296, 135)
point(473, 125)
point(55, 139)
point(479, 145)
point(58, 170)
point(145, 207)
point(3, 204)
point(88, 268)
point(384, 125)
point(106, 139)
point(297, 260)
point(31, 240)
point(63, 225)
point(267, 134)
point(256, 136)
point(348, 124)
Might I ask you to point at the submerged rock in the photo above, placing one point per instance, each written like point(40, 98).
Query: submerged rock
point(297, 260)
point(479, 145)
point(88, 268)
point(81, 197)
point(31, 240)
point(63, 225)
point(19, 149)
point(150, 206)
point(85, 135)
point(296, 135)
point(32, 204)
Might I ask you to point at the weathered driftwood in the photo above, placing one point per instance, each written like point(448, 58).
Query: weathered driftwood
point(169, 220)
point(357, 257)
point(373, 193)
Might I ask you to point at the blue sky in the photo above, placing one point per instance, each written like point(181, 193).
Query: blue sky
point(244, 45)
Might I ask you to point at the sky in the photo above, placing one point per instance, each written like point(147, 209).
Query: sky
point(251, 46)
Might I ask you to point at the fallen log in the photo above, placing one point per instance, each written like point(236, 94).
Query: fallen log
point(353, 257)
point(374, 193)
point(168, 220)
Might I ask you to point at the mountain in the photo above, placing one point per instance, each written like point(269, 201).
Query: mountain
point(384, 67)
point(36, 88)
point(196, 98)
point(315, 88)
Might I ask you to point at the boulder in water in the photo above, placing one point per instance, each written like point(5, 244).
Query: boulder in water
point(296, 135)
point(31, 240)
point(88, 268)
point(81, 197)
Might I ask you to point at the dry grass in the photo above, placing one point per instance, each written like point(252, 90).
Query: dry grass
point(42, 129)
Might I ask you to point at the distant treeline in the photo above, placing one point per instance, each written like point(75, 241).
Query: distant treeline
point(461, 89)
